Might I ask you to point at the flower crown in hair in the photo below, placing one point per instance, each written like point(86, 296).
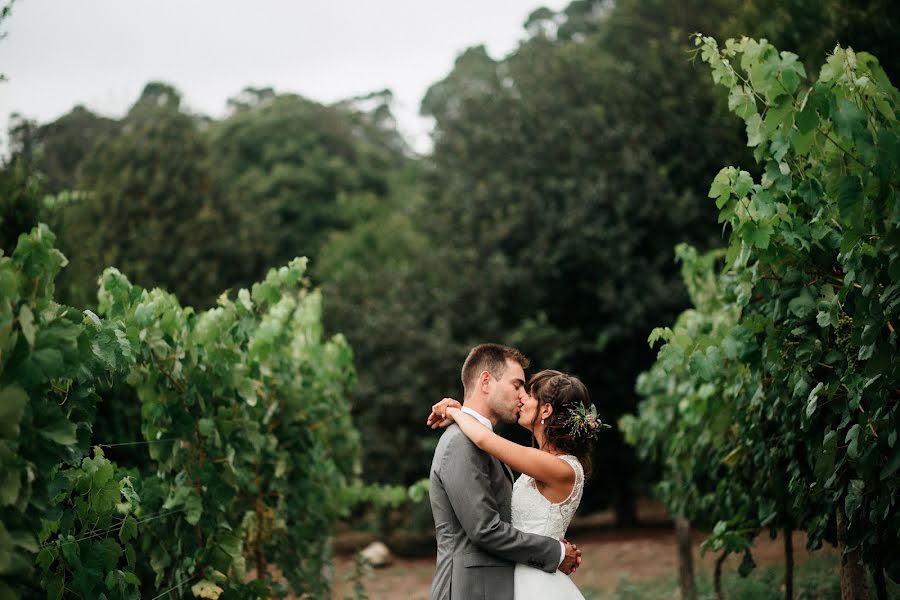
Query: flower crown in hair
point(584, 422)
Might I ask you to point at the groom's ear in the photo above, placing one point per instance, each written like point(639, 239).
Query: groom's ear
point(484, 381)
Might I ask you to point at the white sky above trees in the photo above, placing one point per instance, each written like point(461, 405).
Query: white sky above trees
point(100, 53)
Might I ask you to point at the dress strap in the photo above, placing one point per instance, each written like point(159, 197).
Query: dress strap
point(579, 476)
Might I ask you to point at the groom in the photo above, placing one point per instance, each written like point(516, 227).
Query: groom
point(471, 492)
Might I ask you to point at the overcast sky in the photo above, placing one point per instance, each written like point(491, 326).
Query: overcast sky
point(100, 53)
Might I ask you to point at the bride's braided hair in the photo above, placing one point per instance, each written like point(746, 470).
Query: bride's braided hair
point(566, 394)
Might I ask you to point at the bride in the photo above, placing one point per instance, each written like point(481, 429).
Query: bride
point(558, 412)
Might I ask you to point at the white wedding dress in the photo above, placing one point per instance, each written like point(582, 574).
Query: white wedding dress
point(533, 513)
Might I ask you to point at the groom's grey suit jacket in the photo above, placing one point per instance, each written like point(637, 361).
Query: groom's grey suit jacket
point(477, 548)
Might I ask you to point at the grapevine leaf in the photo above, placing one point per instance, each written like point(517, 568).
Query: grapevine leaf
point(193, 508)
point(45, 558)
point(743, 184)
point(55, 584)
point(61, 431)
point(853, 439)
point(802, 305)
point(747, 564)
point(849, 120)
point(26, 322)
point(825, 459)
point(741, 102)
point(12, 404)
point(854, 498)
point(890, 467)
point(206, 426)
point(104, 555)
point(755, 131)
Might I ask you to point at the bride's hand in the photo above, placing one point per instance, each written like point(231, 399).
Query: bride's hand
point(438, 417)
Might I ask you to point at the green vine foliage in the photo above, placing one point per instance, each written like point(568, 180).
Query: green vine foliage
point(244, 408)
point(774, 400)
point(71, 513)
point(244, 415)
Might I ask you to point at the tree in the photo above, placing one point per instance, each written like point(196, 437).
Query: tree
point(289, 166)
point(151, 207)
point(782, 380)
point(64, 144)
point(21, 188)
point(563, 175)
point(384, 286)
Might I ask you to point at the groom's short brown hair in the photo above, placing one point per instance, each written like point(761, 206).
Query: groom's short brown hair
point(490, 358)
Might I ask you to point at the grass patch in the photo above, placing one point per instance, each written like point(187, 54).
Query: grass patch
point(817, 579)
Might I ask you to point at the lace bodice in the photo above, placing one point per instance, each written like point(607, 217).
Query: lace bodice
point(532, 513)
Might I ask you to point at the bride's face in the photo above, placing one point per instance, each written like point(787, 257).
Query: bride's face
point(527, 411)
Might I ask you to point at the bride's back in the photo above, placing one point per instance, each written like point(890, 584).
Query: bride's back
point(533, 513)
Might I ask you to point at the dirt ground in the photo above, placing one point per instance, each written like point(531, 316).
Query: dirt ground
point(609, 555)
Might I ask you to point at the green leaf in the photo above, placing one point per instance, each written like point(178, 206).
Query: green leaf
point(747, 564)
point(60, 431)
point(741, 102)
point(758, 234)
point(26, 322)
point(812, 398)
point(206, 426)
point(853, 439)
point(779, 116)
point(755, 132)
point(70, 551)
point(721, 187)
point(827, 318)
point(110, 581)
point(894, 269)
point(743, 184)
point(802, 305)
point(848, 195)
point(854, 498)
point(128, 530)
point(792, 71)
point(811, 406)
point(890, 467)
point(194, 508)
point(869, 333)
point(825, 459)
point(55, 585)
point(49, 360)
point(130, 578)
point(104, 555)
point(45, 558)
point(849, 120)
point(866, 352)
point(12, 404)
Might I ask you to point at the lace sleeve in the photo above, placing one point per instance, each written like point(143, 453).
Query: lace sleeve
point(579, 479)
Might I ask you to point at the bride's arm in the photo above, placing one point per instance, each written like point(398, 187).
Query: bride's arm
point(543, 466)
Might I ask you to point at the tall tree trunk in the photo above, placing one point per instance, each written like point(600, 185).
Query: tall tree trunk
point(880, 583)
point(788, 564)
point(685, 547)
point(853, 575)
point(625, 507)
point(717, 577)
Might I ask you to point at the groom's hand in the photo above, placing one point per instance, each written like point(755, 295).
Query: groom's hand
point(572, 560)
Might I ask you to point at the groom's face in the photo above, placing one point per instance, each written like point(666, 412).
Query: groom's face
point(508, 393)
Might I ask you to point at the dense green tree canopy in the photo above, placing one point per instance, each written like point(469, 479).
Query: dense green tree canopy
point(150, 206)
point(294, 170)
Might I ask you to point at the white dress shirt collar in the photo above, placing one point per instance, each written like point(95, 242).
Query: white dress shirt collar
point(478, 416)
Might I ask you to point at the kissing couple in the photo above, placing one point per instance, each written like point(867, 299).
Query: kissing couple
point(499, 540)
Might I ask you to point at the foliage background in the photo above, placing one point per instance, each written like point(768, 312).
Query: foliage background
point(561, 178)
